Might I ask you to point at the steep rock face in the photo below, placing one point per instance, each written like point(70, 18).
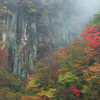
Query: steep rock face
point(29, 39)
point(22, 52)
point(56, 31)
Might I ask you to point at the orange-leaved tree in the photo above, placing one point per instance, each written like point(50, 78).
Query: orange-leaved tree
point(76, 56)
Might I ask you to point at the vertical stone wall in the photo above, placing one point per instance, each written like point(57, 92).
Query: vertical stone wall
point(21, 51)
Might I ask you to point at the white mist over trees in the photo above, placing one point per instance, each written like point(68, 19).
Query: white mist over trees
point(75, 11)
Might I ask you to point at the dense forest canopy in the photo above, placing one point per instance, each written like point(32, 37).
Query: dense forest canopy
point(68, 73)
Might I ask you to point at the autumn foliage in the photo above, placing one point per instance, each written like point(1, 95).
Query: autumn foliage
point(3, 55)
point(68, 73)
point(92, 34)
point(75, 91)
point(78, 68)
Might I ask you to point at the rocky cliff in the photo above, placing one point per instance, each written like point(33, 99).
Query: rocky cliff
point(33, 31)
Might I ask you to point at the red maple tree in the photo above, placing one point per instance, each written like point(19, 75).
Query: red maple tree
point(92, 34)
point(75, 91)
point(3, 55)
